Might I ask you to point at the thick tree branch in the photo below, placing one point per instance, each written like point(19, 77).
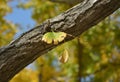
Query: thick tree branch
point(29, 46)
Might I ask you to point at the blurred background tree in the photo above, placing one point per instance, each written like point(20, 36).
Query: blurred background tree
point(94, 57)
point(7, 28)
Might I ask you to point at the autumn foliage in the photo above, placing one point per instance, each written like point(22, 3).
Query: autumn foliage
point(93, 57)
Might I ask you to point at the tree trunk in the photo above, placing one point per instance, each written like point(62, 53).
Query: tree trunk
point(80, 57)
point(29, 46)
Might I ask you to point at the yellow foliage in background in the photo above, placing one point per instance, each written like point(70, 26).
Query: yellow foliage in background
point(7, 29)
point(26, 75)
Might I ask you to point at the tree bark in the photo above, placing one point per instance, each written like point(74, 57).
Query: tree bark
point(29, 46)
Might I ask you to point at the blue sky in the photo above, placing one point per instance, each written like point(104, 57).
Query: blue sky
point(21, 17)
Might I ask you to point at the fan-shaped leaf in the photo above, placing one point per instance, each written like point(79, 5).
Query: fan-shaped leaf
point(53, 37)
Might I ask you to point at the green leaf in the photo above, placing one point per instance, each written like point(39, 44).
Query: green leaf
point(53, 37)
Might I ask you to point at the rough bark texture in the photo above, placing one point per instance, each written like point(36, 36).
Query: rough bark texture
point(29, 46)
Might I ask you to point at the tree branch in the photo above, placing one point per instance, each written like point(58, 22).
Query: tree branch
point(29, 46)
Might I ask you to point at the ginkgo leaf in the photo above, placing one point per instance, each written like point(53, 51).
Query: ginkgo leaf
point(53, 37)
point(64, 56)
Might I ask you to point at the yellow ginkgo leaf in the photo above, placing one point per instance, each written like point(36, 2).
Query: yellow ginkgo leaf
point(64, 56)
point(53, 37)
